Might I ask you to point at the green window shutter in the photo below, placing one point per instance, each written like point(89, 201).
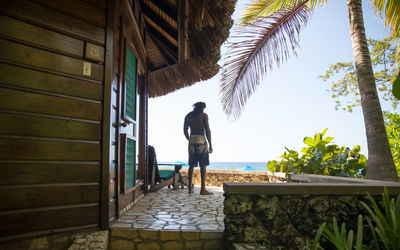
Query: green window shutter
point(130, 163)
point(130, 88)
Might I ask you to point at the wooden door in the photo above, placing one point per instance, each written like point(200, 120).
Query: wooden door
point(129, 120)
point(128, 112)
point(130, 184)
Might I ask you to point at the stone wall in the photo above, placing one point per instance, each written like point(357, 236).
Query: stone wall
point(285, 221)
point(122, 239)
point(218, 177)
point(74, 240)
point(285, 216)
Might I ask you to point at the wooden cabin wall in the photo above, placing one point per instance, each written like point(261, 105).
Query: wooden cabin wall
point(51, 115)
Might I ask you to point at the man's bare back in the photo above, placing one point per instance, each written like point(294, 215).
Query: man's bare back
point(196, 123)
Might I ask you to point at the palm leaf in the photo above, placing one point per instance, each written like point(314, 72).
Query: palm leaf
point(389, 10)
point(256, 48)
point(254, 10)
point(264, 8)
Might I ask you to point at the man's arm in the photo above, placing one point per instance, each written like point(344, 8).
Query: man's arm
point(186, 128)
point(208, 132)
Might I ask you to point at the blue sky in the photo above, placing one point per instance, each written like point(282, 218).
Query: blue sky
point(289, 104)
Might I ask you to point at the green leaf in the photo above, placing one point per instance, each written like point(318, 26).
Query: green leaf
point(374, 237)
point(328, 139)
point(310, 141)
point(396, 87)
point(382, 225)
point(359, 233)
point(317, 238)
point(356, 149)
point(350, 239)
point(271, 166)
point(342, 156)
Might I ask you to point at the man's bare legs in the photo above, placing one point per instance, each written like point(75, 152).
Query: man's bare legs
point(191, 179)
point(203, 190)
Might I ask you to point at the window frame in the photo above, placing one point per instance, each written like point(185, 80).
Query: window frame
point(124, 116)
point(124, 144)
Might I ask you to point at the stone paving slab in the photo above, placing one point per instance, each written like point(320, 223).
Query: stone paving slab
point(176, 210)
point(96, 240)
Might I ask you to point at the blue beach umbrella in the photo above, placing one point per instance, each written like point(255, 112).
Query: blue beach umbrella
point(247, 168)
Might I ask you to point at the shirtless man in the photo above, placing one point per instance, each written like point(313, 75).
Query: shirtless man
point(197, 120)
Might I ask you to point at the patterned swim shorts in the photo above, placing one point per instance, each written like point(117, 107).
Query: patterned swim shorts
point(198, 151)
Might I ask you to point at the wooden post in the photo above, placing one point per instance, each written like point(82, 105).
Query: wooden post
point(105, 199)
point(142, 146)
point(143, 128)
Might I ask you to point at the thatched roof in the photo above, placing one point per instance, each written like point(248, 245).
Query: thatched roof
point(208, 27)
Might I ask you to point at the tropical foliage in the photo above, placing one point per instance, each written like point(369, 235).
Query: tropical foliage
point(271, 34)
point(384, 228)
point(390, 12)
point(392, 123)
point(322, 157)
point(268, 34)
point(396, 88)
point(256, 49)
point(346, 87)
point(269, 37)
point(341, 239)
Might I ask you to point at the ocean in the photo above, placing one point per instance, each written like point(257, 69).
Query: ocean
point(237, 166)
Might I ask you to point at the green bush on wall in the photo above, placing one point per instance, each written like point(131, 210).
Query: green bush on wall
point(322, 157)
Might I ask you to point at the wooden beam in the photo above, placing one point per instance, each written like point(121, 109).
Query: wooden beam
point(161, 4)
point(160, 22)
point(170, 50)
point(183, 12)
point(167, 57)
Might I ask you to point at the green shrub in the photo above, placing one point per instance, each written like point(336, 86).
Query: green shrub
point(321, 157)
point(392, 123)
point(384, 228)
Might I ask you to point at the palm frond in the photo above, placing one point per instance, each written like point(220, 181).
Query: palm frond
point(265, 8)
point(254, 10)
point(389, 10)
point(256, 48)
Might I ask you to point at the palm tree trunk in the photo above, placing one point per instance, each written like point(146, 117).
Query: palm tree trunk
point(380, 161)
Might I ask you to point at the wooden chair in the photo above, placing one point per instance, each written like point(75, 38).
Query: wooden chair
point(161, 178)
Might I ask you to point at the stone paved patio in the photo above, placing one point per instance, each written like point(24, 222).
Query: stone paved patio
point(176, 210)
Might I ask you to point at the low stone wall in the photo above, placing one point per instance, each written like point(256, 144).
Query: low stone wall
point(73, 240)
point(123, 239)
point(218, 177)
point(94, 240)
point(286, 215)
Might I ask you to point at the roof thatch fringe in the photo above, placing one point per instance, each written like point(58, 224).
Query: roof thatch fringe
point(204, 49)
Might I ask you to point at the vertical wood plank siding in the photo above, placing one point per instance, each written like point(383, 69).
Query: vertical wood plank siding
point(51, 116)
